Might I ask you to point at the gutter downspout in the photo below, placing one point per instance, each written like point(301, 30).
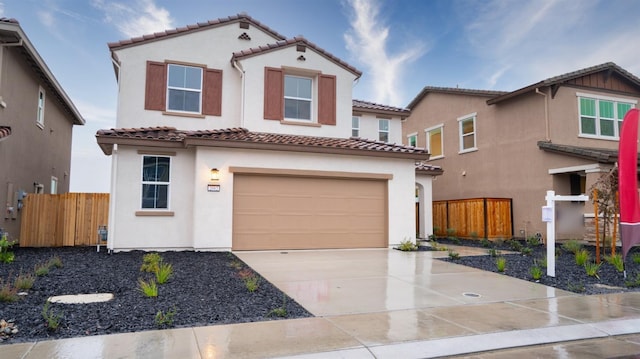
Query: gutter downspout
point(237, 66)
point(546, 114)
point(2, 46)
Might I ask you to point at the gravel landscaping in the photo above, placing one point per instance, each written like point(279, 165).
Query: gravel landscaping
point(569, 275)
point(205, 289)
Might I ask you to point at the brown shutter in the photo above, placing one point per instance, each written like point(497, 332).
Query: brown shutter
point(327, 100)
point(212, 93)
point(155, 94)
point(273, 93)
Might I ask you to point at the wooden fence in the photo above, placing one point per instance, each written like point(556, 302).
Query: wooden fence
point(479, 217)
point(70, 219)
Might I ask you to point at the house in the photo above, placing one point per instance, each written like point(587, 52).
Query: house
point(231, 136)
point(557, 134)
point(36, 123)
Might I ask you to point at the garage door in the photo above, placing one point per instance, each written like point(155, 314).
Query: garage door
point(286, 212)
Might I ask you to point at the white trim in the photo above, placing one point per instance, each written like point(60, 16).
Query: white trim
point(387, 131)
point(40, 109)
point(414, 134)
point(353, 117)
point(473, 117)
point(54, 185)
point(313, 85)
point(186, 89)
point(608, 98)
point(554, 171)
point(428, 143)
point(434, 127)
point(143, 182)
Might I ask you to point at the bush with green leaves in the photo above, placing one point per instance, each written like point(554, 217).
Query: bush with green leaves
point(51, 318)
point(635, 257)
point(582, 256)
point(501, 264)
point(572, 246)
point(8, 292)
point(526, 251)
point(535, 271)
point(453, 255)
point(533, 241)
point(485, 243)
point(6, 256)
point(150, 262)
point(492, 252)
point(165, 319)
point(616, 261)
point(592, 269)
point(407, 245)
point(164, 272)
point(41, 269)
point(24, 281)
point(515, 245)
point(148, 288)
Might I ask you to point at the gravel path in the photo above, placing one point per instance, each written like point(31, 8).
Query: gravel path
point(569, 275)
point(206, 289)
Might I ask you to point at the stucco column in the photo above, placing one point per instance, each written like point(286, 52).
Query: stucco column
point(425, 204)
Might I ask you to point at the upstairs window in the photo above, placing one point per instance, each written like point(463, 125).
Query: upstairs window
point(383, 130)
point(184, 88)
point(297, 98)
point(355, 126)
point(412, 140)
point(155, 182)
point(467, 130)
point(434, 142)
point(40, 116)
point(601, 117)
point(54, 185)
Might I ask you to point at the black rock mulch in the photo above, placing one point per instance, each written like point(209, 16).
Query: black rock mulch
point(569, 275)
point(206, 289)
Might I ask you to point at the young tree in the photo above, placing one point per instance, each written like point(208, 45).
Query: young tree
point(606, 189)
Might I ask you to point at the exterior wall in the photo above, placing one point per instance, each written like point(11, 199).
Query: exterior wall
point(203, 220)
point(30, 154)
point(315, 63)
point(200, 47)
point(369, 127)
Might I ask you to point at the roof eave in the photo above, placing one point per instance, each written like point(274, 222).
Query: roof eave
point(515, 93)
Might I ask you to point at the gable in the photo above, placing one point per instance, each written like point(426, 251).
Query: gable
point(606, 80)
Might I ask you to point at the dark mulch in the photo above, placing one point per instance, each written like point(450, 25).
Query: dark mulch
point(205, 290)
point(569, 275)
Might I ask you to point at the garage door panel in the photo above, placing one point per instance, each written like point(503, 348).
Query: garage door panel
point(277, 212)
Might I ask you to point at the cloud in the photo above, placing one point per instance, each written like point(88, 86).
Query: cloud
point(2, 9)
point(136, 18)
point(46, 18)
point(367, 41)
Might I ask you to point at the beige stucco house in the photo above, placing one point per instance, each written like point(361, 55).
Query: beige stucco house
point(231, 136)
point(36, 125)
point(558, 134)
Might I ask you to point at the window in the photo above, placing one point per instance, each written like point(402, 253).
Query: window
point(467, 127)
point(434, 142)
point(355, 126)
point(412, 140)
point(155, 182)
point(297, 97)
point(602, 116)
point(184, 88)
point(383, 130)
point(41, 98)
point(54, 185)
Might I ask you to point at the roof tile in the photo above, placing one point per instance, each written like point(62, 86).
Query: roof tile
point(359, 104)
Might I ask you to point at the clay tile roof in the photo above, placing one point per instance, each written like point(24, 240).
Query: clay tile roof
point(298, 40)
point(5, 131)
point(9, 20)
point(453, 90)
point(191, 28)
point(243, 138)
point(365, 106)
point(423, 167)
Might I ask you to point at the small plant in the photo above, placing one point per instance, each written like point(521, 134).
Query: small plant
point(150, 262)
point(252, 283)
point(165, 319)
point(41, 269)
point(515, 245)
point(451, 235)
point(499, 242)
point(572, 246)
point(633, 283)
point(501, 264)
point(8, 293)
point(148, 289)
point(616, 261)
point(493, 252)
point(474, 235)
point(164, 272)
point(453, 255)
point(51, 318)
point(592, 269)
point(236, 264)
point(533, 241)
point(526, 251)
point(55, 262)
point(575, 287)
point(582, 256)
point(543, 262)
point(535, 271)
point(407, 246)
point(485, 243)
point(635, 258)
point(280, 311)
point(24, 281)
point(6, 256)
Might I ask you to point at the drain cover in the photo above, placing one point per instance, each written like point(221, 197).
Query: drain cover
point(471, 295)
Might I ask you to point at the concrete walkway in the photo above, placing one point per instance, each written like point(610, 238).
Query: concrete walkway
point(388, 304)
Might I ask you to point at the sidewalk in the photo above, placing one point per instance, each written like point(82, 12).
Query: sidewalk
point(387, 304)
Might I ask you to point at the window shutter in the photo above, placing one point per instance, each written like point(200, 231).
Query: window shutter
point(212, 93)
point(327, 100)
point(155, 94)
point(273, 93)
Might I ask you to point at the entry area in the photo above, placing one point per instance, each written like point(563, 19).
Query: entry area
point(277, 212)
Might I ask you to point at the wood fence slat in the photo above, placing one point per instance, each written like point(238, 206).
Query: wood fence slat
point(468, 218)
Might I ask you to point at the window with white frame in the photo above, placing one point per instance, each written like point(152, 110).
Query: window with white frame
point(41, 100)
point(184, 88)
point(412, 139)
point(297, 97)
point(601, 116)
point(355, 126)
point(467, 131)
point(383, 130)
point(434, 141)
point(54, 185)
point(155, 182)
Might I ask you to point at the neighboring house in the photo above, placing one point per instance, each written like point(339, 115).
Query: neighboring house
point(36, 123)
point(231, 136)
point(378, 122)
point(558, 134)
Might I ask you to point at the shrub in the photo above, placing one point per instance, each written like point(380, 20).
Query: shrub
point(280, 311)
point(493, 252)
point(533, 241)
point(407, 246)
point(148, 289)
point(635, 258)
point(51, 318)
point(6, 256)
point(635, 282)
point(165, 319)
point(572, 246)
point(55, 262)
point(535, 271)
point(150, 262)
point(582, 256)
point(543, 262)
point(515, 245)
point(526, 251)
point(8, 293)
point(252, 283)
point(164, 272)
point(454, 255)
point(592, 269)
point(24, 281)
point(485, 243)
point(501, 264)
point(41, 269)
point(575, 287)
point(616, 261)
point(474, 235)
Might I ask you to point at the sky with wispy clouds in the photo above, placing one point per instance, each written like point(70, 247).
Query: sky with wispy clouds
point(400, 46)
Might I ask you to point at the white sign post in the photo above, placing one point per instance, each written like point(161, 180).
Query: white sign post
point(549, 216)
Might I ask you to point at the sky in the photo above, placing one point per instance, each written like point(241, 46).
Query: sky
point(400, 46)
